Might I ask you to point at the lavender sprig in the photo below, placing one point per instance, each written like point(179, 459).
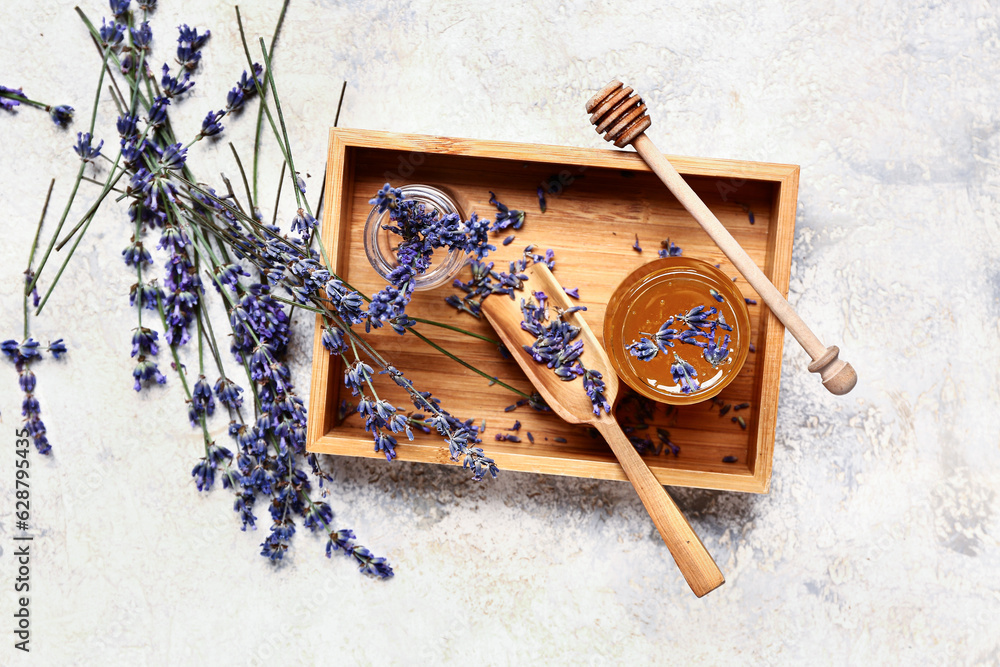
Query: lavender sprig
point(10, 98)
point(23, 354)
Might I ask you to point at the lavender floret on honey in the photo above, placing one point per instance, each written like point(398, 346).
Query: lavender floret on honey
point(665, 335)
point(715, 353)
point(698, 317)
point(643, 349)
point(684, 375)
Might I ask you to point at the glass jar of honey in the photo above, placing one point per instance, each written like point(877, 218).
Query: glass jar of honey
point(677, 330)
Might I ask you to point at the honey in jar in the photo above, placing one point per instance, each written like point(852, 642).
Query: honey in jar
point(677, 330)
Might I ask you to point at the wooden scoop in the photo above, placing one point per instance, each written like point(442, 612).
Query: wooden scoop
point(621, 116)
point(570, 401)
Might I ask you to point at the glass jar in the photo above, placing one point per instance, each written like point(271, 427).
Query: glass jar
point(666, 288)
point(381, 245)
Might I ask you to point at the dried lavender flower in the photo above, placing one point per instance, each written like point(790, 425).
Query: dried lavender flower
point(684, 375)
point(644, 349)
point(505, 217)
point(669, 249)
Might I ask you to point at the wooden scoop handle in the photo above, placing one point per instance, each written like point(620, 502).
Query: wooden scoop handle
point(691, 556)
point(623, 118)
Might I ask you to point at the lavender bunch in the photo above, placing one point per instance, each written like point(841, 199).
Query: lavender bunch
point(194, 236)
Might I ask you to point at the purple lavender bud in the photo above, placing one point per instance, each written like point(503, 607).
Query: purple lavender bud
point(6, 103)
point(684, 375)
point(119, 7)
point(211, 125)
point(141, 36)
point(112, 34)
point(145, 371)
point(61, 115)
point(144, 342)
point(57, 348)
point(157, 115)
point(303, 222)
point(228, 393)
point(84, 149)
point(173, 157)
point(127, 126)
point(174, 86)
point(26, 380)
point(643, 349)
point(189, 44)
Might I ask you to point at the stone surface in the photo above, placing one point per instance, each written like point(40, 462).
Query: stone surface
point(878, 541)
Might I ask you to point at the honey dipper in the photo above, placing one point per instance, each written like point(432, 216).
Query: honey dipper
point(621, 116)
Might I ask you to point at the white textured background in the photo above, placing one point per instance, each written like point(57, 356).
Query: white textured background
point(878, 541)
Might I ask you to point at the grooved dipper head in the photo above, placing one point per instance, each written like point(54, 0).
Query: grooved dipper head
point(619, 114)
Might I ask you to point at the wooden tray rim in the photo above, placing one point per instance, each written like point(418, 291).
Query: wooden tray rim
point(755, 479)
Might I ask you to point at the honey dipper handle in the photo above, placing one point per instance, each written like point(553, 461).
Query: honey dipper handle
point(838, 376)
point(691, 556)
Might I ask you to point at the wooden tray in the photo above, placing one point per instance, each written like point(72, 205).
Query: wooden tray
point(609, 197)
